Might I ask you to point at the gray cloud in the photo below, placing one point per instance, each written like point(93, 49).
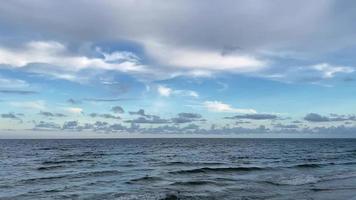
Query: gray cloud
point(162, 128)
point(106, 116)
point(286, 126)
point(50, 114)
point(13, 116)
point(187, 118)
point(73, 101)
point(254, 117)
point(108, 99)
point(314, 117)
point(42, 125)
point(283, 23)
point(9, 116)
point(71, 125)
point(117, 109)
point(20, 92)
point(297, 122)
point(151, 120)
point(140, 112)
point(265, 31)
point(189, 115)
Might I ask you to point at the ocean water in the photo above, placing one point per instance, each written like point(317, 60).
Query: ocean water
point(178, 169)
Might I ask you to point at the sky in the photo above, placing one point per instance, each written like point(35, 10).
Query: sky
point(180, 68)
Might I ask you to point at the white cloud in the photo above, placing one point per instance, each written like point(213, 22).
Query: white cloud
point(36, 105)
point(198, 60)
point(74, 110)
point(166, 92)
point(217, 106)
point(330, 70)
point(56, 54)
point(189, 93)
point(13, 83)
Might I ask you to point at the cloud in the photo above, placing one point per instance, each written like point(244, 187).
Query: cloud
point(9, 116)
point(73, 101)
point(140, 112)
point(151, 120)
point(203, 60)
point(286, 126)
point(217, 106)
point(107, 99)
point(21, 92)
point(74, 110)
point(256, 36)
point(187, 118)
point(70, 125)
point(314, 117)
point(56, 54)
point(163, 128)
point(166, 92)
point(15, 86)
point(106, 116)
point(329, 71)
point(35, 105)
point(243, 22)
point(254, 117)
point(189, 115)
point(42, 125)
point(50, 114)
point(117, 109)
point(297, 122)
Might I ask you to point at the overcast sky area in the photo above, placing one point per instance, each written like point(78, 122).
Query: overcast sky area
point(185, 68)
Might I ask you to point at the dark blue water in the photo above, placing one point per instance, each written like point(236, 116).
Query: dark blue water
point(178, 169)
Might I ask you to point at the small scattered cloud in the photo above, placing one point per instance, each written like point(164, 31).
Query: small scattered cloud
point(108, 99)
point(164, 91)
point(74, 110)
point(11, 116)
point(254, 117)
point(106, 116)
point(73, 101)
point(117, 109)
point(167, 92)
point(35, 105)
point(151, 120)
point(50, 114)
point(217, 106)
point(329, 71)
point(286, 126)
point(42, 125)
point(187, 118)
point(140, 112)
point(19, 92)
point(70, 125)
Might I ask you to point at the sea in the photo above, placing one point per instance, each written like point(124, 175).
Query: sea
point(169, 169)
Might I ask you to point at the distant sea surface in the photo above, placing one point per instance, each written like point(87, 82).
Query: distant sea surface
point(178, 169)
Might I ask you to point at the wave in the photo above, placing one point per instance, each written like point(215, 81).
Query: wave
point(220, 169)
point(311, 165)
point(318, 165)
point(85, 154)
point(65, 161)
point(145, 179)
point(174, 163)
point(195, 183)
point(170, 197)
point(44, 168)
point(294, 181)
point(71, 176)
